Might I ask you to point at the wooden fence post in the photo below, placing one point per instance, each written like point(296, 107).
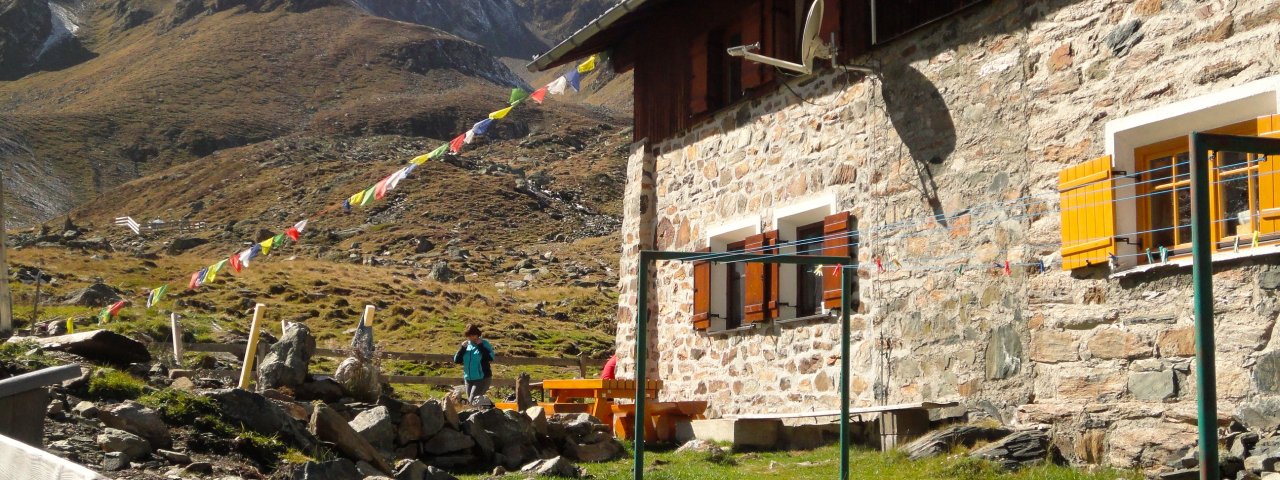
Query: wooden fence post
point(251, 350)
point(582, 365)
point(368, 315)
point(177, 337)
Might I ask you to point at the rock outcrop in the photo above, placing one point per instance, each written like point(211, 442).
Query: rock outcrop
point(286, 362)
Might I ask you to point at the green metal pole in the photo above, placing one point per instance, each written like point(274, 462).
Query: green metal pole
point(642, 361)
point(844, 373)
point(1202, 278)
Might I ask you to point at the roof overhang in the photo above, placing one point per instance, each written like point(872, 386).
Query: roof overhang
point(598, 35)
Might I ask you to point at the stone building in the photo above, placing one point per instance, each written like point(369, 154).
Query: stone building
point(1002, 177)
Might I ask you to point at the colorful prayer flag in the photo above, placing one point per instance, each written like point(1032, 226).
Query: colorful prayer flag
point(421, 159)
point(355, 199)
point(557, 87)
point(468, 137)
point(156, 295)
point(395, 178)
point(71, 326)
point(539, 95)
point(500, 114)
point(112, 311)
point(212, 274)
point(249, 254)
point(266, 245)
point(368, 195)
point(439, 151)
point(588, 65)
point(295, 232)
point(482, 126)
point(346, 205)
point(456, 145)
point(574, 78)
point(234, 261)
point(195, 279)
point(380, 188)
point(517, 95)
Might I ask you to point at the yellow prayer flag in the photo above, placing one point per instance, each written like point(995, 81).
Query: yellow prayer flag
point(268, 243)
point(421, 159)
point(500, 113)
point(588, 65)
point(354, 200)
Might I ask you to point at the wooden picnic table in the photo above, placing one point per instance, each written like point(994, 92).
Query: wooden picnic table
point(602, 391)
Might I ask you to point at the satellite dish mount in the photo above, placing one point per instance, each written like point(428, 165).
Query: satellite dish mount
point(811, 47)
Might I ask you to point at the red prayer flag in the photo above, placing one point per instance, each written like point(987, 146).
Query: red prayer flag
point(195, 281)
point(293, 233)
point(539, 94)
point(380, 190)
point(235, 263)
point(116, 307)
point(456, 145)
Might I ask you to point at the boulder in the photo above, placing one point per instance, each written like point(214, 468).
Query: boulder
point(1017, 450)
point(96, 295)
point(173, 457)
point(554, 467)
point(330, 426)
point(943, 440)
point(416, 470)
point(115, 440)
point(324, 389)
point(101, 345)
point(85, 409)
point(376, 427)
point(340, 469)
point(256, 412)
point(410, 429)
point(134, 418)
point(607, 448)
point(451, 412)
point(448, 440)
point(112, 461)
point(482, 438)
point(285, 365)
point(432, 417)
point(179, 245)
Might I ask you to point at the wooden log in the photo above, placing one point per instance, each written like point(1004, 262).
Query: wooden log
point(250, 353)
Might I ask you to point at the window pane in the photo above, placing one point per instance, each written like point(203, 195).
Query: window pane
point(736, 297)
point(1183, 196)
point(1160, 204)
point(1234, 193)
point(808, 285)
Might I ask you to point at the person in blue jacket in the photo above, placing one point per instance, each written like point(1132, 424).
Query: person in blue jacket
point(474, 355)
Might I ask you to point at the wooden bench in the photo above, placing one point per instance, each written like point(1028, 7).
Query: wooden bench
point(662, 419)
point(898, 423)
point(600, 391)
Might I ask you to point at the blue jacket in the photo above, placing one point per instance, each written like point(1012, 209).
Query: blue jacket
point(474, 360)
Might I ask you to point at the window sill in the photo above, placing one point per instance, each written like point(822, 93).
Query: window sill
point(808, 318)
point(731, 331)
point(1222, 256)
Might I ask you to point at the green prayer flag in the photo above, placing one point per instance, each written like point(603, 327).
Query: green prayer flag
point(517, 95)
point(368, 196)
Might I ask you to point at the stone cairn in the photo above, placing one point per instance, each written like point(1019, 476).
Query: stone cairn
point(359, 373)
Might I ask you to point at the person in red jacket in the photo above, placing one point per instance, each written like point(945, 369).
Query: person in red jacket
point(610, 367)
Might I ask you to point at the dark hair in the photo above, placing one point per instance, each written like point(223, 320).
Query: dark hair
point(472, 329)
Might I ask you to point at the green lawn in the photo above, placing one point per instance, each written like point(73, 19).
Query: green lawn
point(823, 463)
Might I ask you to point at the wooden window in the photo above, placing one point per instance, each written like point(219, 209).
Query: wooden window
point(1240, 196)
point(1244, 198)
point(839, 239)
point(735, 290)
point(702, 293)
point(808, 284)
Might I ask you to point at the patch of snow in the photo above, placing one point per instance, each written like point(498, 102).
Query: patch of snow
point(64, 27)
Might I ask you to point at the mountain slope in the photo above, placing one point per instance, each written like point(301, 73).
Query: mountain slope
point(167, 85)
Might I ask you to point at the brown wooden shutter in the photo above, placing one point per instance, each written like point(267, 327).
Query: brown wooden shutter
point(699, 79)
point(835, 242)
point(754, 308)
point(702, 293)
point(771, 275)
point(831, 15)
point(753, 28)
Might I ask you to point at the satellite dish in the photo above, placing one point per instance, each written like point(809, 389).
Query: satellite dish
point(811, 46)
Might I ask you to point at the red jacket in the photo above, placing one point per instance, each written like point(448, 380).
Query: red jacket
point(609, 367)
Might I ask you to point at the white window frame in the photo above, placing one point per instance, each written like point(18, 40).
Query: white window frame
point(1205, 112)
point(787, 219)
point(718, 239)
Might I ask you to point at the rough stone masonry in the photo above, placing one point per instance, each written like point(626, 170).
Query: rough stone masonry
point(983, 106)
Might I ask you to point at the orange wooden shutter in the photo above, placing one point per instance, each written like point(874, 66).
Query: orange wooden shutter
point(753, 296)
point(702, 293)
point(1086, 195)
point(753, 27)
point(836, 242)
point(771, 274)
point(1269, 181)
point(699, 77)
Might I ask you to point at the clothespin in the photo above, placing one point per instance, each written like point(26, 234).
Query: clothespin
point(1164, 255)
point(1007, 271)
point(879, 266)
point(1235, 246)
point(1041, 262)
point(1149, 259)
point(960, 269)
point(1113, 262)
point(1257, 235)
point(817, 272)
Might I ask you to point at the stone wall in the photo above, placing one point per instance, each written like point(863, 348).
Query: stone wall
point(986, 106)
